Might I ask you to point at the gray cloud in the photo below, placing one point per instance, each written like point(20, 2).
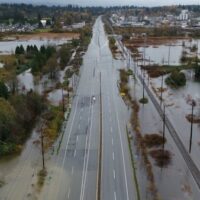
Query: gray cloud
point(105, 2)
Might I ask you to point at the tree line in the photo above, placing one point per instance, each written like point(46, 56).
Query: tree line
point(17, 116)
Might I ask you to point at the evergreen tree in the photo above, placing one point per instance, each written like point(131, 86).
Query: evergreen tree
point(21, 49)
point(17, 50)
point(3, 90)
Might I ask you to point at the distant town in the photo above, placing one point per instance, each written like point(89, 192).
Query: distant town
point(185, 19)
point(20, 28)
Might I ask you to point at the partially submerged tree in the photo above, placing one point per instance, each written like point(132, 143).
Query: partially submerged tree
point(3, 90)
point(197, 73)
point(176, 79)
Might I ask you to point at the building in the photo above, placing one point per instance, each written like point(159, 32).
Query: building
point(43, 22)
point(184, 15)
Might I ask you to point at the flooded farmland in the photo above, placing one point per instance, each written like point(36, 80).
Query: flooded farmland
point(173, 181)
point(169, 53)
point(8, 47)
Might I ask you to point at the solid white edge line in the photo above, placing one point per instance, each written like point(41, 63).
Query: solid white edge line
point(120, 133)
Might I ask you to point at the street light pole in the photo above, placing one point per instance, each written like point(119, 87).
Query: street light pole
point(169, 54)
point(161, 90)
point(191, 128)
point(42, 146)
point(143, 84)
point(63, 105)
point(163, 127)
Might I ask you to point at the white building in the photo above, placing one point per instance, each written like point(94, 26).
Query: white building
point(43, 22)
point(78, 25)
point(184, 16)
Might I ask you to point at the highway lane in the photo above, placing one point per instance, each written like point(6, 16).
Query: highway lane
point(117, 179)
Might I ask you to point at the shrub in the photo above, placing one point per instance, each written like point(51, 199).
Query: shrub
point(176, 79)
point(41, 177)
point(143, 100)
point(123, 76)
point(197, 72)
point(3, 90)
point(7, 148)
point(196, 119)
point(152, 140)
point(162, 157)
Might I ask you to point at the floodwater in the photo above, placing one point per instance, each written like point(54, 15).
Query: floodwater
point(8, 47)
point(162, 54)
point(27, 82)
point(1, 65)
point(22, 167)
point(174, 181)
point(55, 97)
point(177, 109)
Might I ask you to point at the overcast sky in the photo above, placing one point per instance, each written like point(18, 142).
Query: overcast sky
point(106, 2)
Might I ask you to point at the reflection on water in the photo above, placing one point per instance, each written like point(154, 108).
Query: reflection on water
point(1, 65)
point(8, 47)
point(172, 52)
point(56, 96)
point(26, 80)
point(178, 108)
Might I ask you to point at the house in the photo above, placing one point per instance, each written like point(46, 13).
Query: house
point(43, 22)
point(184, 15)
point(78, 25)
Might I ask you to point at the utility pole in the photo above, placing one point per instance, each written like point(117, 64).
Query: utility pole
point(129, 60)
point(163, 127)
point(63, 101)
point(42, 144)
point(143, 84)
point(197, 52)
point(145, 40)
point(169, 54)
point(193, 104)
point(161, 90)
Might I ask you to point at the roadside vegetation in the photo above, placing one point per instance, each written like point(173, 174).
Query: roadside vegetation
point(18, 114)
point(124, 79)
point(194, 119)
point(113, 46)
point(176, 79)
point(162, 157)
point(123, 84)
point(197, 73)
point(144, 142)
point(53, 118)
point(153, 140)
point(41, 179)
point(144, 100)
